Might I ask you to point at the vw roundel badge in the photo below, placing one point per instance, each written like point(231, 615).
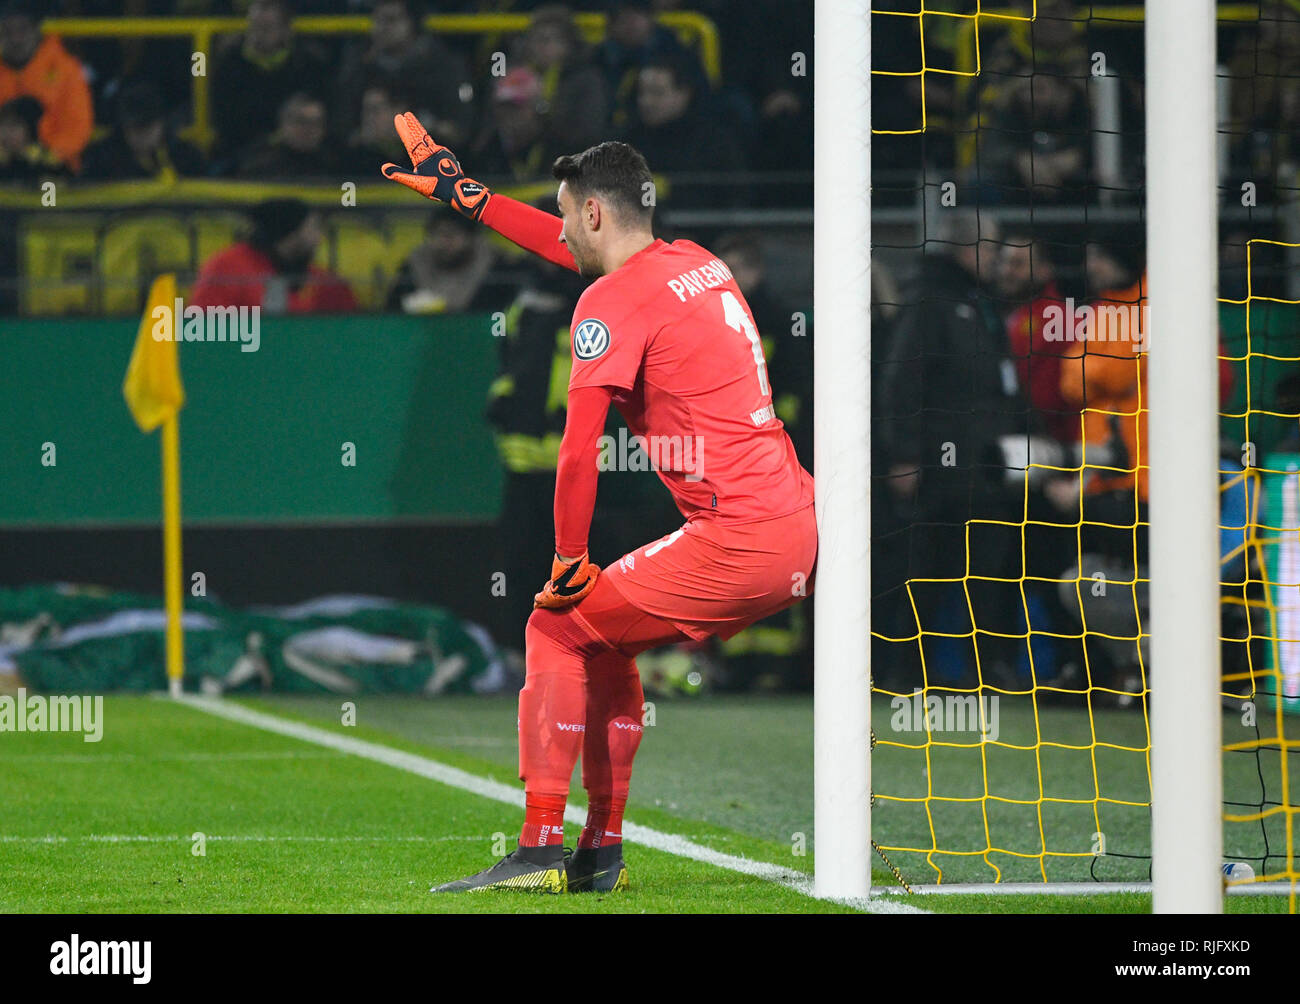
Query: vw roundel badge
point(590, 339)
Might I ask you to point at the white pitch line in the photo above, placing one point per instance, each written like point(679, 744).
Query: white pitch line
point(511, 794)
point(164, 838)
point(152, 757)
point(1282, 888)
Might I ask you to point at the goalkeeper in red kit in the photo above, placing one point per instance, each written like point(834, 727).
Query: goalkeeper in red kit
point(664, 334)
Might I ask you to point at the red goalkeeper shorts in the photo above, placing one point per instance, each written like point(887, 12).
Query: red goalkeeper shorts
point(712, 578)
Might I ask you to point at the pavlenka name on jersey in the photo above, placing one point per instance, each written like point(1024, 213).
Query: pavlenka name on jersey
point(590, 338)
point(697, 280)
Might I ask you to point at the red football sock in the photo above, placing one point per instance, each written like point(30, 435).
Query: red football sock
point(604, 823)
point(614, 701)
point(543, 821)
point(552, 719)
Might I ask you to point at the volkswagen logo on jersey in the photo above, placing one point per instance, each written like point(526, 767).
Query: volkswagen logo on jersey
point(590, 339)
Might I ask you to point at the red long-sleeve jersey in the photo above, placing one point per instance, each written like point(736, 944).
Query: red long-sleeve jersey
point(669, 339)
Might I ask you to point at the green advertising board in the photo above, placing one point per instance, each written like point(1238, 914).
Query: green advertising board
point(333, 419)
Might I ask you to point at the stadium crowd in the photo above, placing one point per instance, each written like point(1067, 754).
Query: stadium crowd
point(1009, 508)
point(291, 105)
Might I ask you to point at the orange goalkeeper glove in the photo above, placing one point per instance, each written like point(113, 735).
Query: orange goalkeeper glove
point(570, 582)
point(437, 174)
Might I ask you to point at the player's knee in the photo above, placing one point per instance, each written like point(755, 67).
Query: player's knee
point(558, 628)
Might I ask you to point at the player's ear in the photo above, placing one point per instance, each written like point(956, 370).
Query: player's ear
point(591, 214)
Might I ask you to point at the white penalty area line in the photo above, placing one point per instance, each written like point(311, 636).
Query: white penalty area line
point(513, 795)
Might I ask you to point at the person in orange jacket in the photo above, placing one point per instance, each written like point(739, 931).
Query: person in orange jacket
point(1106, 377)
point(40, 67)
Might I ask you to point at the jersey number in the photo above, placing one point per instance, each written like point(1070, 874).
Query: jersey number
point(737, 318)
point(654, 549)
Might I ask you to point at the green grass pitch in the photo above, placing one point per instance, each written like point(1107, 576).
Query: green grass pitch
point(290, 826)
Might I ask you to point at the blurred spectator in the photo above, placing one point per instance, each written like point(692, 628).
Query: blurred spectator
point(140, 147)
point(950, 399)
point(22, 158)
point(676, 135)
point(1027, 284)
point(527, 415)
point(454, 270)
point(272, 267)
point(1036, 141)
point(1265, 97)
point(40, 67)
point(783, 137)
point(1106, 378)
point(573, 89)
point(256, 73)
point(375, 141)
point(298, 148)
point(774, 647)
point(765, 93)
point(788, 354)
point(402, 59)
point(632, 39)
point(515, 143)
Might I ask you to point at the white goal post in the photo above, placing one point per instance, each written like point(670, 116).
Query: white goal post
point(1182, 425)
point(842, 446)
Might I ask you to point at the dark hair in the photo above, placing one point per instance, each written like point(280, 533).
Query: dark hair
point(24, 109)
point(21, 8)
point(285, 7)
point(741, 244)
point(560, 16)
point(140, 103)
point(275, 219)
point(615, 171)
point(442, 217)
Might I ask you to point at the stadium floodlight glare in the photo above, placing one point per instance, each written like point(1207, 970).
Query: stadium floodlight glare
point(842, 446)
point(1182, 247)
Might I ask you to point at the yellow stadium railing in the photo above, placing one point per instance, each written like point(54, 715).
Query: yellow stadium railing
point(693, 28)
point(967, 60)
point(969, 24)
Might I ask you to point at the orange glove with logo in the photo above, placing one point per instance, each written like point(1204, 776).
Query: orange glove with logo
point(437, 174)
point(570, 582)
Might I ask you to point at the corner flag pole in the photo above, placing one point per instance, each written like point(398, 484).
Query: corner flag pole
point(842, 447)
point(171, 490)
point(1182, 248)
point(155, 396)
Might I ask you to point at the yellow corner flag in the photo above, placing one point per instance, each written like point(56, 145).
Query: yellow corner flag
point(152, 387)
point(155, 396)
